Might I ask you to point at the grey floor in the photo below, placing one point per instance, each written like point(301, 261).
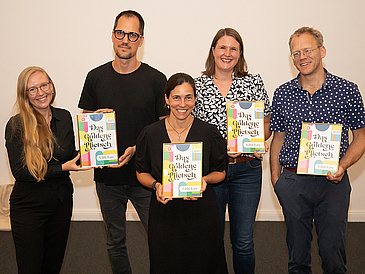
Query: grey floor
point(86, 251)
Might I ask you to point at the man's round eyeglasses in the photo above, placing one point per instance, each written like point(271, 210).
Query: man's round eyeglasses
point(307, 52)
point(132, 36)
point(34, 90)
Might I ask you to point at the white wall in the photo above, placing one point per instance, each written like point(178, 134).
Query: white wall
point(70, 37)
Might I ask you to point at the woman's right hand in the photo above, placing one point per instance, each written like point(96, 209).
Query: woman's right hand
point(159, 195)
point(232, 154)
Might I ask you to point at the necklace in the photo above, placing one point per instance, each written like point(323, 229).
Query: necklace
point(48, 118)
point(179, 133)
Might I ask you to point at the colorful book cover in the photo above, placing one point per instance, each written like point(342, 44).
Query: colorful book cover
point(182, 169)
point(319, 148)
point(98, 139)
point(245, 127)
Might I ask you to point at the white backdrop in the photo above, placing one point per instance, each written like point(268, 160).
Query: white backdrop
point(70, 37)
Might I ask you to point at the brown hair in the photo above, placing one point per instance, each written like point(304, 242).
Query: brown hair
point(240, 70)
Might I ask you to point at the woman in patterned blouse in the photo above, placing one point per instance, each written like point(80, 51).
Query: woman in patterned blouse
point(226, 79)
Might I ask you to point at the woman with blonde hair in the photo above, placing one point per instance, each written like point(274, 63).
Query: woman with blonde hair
point(41, 149)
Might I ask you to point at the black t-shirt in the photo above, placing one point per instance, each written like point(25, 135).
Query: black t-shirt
point(150, 144)
point(137, 99)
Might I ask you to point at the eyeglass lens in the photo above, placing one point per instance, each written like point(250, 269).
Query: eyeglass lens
point(132, 36)
point(44, 87)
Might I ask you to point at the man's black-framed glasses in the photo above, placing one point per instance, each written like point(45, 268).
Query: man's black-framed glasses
point(132, 36)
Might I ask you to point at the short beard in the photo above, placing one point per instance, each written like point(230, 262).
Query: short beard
point(128, 56)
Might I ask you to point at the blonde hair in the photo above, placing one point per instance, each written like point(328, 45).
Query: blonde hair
point(37, 137)
point(317, 35)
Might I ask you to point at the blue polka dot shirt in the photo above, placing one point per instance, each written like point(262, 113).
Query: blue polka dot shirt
point(338, 101)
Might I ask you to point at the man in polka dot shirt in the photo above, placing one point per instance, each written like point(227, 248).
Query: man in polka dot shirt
point(315, 96)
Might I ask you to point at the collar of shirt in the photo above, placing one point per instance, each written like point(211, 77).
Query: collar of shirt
point(327, 105)
point(326, 84)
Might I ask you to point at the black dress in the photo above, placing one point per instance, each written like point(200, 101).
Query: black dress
point(184, 236)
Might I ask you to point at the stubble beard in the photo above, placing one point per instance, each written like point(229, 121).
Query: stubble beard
point(125, 56)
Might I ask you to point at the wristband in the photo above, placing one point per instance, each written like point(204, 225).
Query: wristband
point(154, 185)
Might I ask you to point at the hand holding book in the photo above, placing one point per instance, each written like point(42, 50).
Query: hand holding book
point(319, 150)
point(233, 154)
point(73, 166)
point(125, 158)
point(161, 198)
point(203, 188)
point(159, 194)
point(97, 137)
point(336, 177)
point(245, 126)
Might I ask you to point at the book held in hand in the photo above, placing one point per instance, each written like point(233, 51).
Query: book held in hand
point(319, 148)
point(245, 127)
point(97, 139)
point(182, 169)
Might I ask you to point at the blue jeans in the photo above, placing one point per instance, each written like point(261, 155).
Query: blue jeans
point(113, 203)
point(241, 190)
point(305, 198)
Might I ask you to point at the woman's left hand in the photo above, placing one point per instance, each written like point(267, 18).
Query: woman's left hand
point(259, 156)
point(203, 188)
point(72, 166)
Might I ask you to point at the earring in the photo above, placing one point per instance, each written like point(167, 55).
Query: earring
point(168, 106)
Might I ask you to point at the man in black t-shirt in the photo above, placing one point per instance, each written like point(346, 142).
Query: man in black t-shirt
point(134, 90)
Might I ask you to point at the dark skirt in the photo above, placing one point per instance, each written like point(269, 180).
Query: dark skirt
point(186, 236)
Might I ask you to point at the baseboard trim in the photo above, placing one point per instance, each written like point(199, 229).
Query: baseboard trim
point(356, 216)
point(4, 223)
point(262, 215)
point(95, 215)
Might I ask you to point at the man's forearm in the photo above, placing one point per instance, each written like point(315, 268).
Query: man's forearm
point(355, 150)
point(276, 144)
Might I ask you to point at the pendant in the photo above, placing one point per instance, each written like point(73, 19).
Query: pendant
point(179, 137)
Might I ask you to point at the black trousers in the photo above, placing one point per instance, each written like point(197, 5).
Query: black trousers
point(40, 216)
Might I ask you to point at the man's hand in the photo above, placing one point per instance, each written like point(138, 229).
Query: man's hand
point(353, 154)
point(275, 167)
point(336, 177)
point(125, 158)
